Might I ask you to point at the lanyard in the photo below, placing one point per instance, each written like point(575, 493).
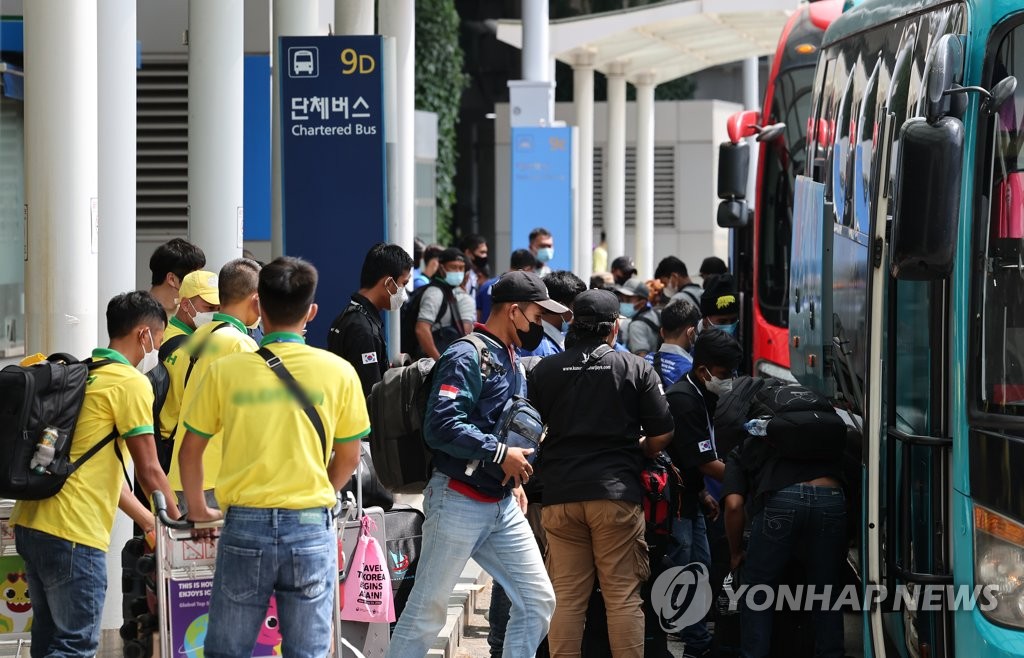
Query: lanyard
point(711, 427)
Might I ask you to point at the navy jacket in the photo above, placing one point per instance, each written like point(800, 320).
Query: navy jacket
point(463, 410)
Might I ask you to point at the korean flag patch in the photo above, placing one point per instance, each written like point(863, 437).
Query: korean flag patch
point(369, 357)
point(705, 446)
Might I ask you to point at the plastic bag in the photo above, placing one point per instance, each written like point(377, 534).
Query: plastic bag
point(367, 595)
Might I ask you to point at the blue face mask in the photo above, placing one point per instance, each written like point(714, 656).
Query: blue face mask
point(454, 279)
point(728, 328)
point(626, 309)
point(565, 327)
point(544, 254)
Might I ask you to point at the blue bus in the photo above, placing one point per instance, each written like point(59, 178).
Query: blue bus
point(907, 304)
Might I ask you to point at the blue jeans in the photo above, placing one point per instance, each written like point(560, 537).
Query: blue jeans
point(808, 522)
point(689, 543)
point(290, 553)
point(68, 583)
point(498, 538)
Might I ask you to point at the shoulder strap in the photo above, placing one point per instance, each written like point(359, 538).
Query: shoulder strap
point(487, 364)
point(657, 363)
point(300, 395)
point(100, 445)
point(170, 345)
point(688, 291)
point(194, 356)
point(648, 321)
point(450, 301)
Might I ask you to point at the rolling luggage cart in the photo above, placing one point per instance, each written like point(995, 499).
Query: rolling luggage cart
point(15, 605)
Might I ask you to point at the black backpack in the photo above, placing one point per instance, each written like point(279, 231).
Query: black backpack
point(33, 399)
point(160, 380)
point(443, 336)
point(802, 424)
point(397, 405)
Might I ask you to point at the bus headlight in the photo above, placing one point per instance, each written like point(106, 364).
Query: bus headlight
point(999, 565)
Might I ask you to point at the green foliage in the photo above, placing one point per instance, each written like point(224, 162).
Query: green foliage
point(440, 81)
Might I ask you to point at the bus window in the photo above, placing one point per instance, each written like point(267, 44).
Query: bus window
point(1002, 389)
point(784, 159)
point(866, 145)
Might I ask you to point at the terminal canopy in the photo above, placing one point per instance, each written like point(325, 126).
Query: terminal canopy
point(667, 40)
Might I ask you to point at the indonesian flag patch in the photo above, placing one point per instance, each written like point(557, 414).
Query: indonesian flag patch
point(447, 391)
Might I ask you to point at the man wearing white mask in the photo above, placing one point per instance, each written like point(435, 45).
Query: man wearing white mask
point(542, 244)
point(199, 301)
point(357, 334)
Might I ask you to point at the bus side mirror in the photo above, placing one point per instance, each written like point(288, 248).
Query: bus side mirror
point(733, 169)
point(927, 204)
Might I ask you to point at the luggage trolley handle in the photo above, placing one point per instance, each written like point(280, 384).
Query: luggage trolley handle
point(160, 505)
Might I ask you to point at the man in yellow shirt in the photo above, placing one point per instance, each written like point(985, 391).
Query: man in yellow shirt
point(226, 334)
point(277, 481)
point(199, 301)
point(64, 539)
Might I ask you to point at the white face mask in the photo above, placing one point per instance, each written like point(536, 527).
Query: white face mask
point(719, 386)
point(203, 318)
point(150, 359)
point(398, 297)
point(670, 290)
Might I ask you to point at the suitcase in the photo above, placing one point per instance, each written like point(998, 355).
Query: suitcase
point(184, 582)
point(15, 605)
point(357, 639)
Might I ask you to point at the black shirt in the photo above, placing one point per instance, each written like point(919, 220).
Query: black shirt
point(693, 445)
point(357, 335)
point(756, 470)
point(595, 417)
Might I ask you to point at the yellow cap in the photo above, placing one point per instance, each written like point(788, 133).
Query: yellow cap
point(202, 284)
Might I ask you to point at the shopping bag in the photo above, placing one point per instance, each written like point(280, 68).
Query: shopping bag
point(367, 595)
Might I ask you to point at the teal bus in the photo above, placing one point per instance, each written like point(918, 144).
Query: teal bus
point(906, 298)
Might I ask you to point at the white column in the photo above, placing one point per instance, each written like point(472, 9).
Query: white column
point(615, 164)
point(215, 115)
point(398, 20)
point(645, 175)
point(353, 17)
point(116, 87)
point(116, 66)
point(291, 18)
point(583, 100)
point(61, 187)
point(752, 101)
point(536, 41)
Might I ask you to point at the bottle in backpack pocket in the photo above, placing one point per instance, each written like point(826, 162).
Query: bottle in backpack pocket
point(45, 449)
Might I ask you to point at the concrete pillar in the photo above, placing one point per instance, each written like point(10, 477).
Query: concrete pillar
point(291, 18)
point(61, 186)
point(215, 114)
point(615, 163)
point(536, 41)
point(353, 17)
point(116, 170)
point(398, 20)
point(645, 175)
point(752, 101)
point(583, 99)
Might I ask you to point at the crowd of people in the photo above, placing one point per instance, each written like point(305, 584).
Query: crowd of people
point(623, 372)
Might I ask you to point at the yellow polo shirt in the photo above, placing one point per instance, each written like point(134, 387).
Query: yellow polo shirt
point(118, 397)
point(215, 345)
point(176, 364)
point(271, 452)
point(176, 328)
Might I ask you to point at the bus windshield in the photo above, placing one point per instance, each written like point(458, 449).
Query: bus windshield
point(1002, 362)
point(783, 160)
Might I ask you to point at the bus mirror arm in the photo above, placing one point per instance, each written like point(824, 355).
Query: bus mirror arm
point(994, 99)
point(771, 132)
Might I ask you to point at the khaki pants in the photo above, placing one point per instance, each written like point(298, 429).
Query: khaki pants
point(602, 538)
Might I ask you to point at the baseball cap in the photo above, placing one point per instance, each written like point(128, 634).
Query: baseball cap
point(624, 264)
point(595, 306)
point(719, 296)
point(521, 286)
point(634, 287)
point(200, 284)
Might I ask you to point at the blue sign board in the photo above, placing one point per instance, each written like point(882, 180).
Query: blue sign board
point(542, 191)
point(333, 185)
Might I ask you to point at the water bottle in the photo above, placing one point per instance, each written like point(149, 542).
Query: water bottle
point(724, 600)
point(43, 455)
point(757, 426)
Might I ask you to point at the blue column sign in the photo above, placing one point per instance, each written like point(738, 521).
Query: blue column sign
point(334, 192)
point(542, 190)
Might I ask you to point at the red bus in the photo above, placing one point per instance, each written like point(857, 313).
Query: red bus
point(761, 256)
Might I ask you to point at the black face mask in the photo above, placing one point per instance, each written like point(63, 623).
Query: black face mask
point(530, 339)
point(480, 262)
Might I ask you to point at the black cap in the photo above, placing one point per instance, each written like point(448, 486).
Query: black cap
point(713, 265)
point(595, 306)
point(520, 286)
point(719, 297)
point(451, 254)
